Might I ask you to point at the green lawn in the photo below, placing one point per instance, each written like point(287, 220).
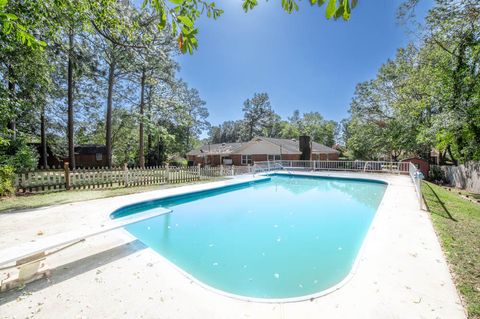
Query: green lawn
point(457, 222)
point(61, 197)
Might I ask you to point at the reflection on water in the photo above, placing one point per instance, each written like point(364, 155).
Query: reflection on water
point(363, 191)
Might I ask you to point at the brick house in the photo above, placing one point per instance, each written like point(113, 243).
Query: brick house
point(256, 150)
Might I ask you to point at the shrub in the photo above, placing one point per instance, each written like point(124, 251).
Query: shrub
point(19, 155)
point(178, 162)
point(7, 175)
point(436, 174)
point(15, 156)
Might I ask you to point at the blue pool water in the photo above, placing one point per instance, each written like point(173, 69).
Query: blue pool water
point(286, 237)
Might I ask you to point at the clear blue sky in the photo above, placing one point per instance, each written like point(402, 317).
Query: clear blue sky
point(302, 60)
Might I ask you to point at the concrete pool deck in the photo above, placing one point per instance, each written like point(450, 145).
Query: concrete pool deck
point(401, 273)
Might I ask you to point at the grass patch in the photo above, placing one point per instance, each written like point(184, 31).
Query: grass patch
point(457, 223)
point(29, 201)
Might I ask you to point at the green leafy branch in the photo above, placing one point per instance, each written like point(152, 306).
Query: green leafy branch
point(184, 14)
point(10, 24)
point(335, 8)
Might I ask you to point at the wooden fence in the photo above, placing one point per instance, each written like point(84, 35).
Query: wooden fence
point(464, 176)
point(90, 178)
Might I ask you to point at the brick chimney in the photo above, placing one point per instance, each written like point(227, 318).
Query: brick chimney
point(305, 147)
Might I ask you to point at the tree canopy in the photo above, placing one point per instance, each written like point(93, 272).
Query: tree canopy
point(104, 75)
point(428, 97)
point(181, 15)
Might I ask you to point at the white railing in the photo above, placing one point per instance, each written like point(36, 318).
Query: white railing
point(259, 167)
point(416, 177)
point(360, 166)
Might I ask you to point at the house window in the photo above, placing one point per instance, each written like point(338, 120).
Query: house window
point(98, 156)
point(274, 157)
point(246, 159)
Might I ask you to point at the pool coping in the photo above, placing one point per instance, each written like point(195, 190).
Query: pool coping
point(313, 296)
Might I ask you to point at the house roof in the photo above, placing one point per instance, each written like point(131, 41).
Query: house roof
point(292, 145)
point(270, 146)
point(216, 149)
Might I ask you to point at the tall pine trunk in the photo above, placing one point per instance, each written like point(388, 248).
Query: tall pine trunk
point(108, 121)
point(141, 150)
point(149, 135)
point(43, 140)
point(12, 125)
point(188, 131)
point(187, 139)
point(70, 84)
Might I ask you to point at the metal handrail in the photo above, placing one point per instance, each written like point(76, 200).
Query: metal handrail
point(365, 166)
point(416, 175)
point(267, 166)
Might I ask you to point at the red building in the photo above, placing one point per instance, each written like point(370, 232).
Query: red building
point(421, 164)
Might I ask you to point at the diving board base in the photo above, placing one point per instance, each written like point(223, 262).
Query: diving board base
point(25, 271)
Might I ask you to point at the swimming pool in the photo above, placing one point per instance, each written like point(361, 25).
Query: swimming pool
point(284, 237)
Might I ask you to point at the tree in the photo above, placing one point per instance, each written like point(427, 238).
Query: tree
point(428, 96)
point(117, 43)
point(25, 71)
point(193, 114)
point(312, 124)
point(376, 110)
point(72, 19)
point(257, 114)
point(151, 64)
point(58, 93)
point(227, 132)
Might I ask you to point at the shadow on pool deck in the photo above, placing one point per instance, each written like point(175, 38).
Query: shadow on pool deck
point(75, 268)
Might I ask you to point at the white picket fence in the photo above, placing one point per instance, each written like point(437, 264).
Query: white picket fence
point(85, 178)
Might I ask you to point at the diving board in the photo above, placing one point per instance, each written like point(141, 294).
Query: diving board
point(27, 257)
